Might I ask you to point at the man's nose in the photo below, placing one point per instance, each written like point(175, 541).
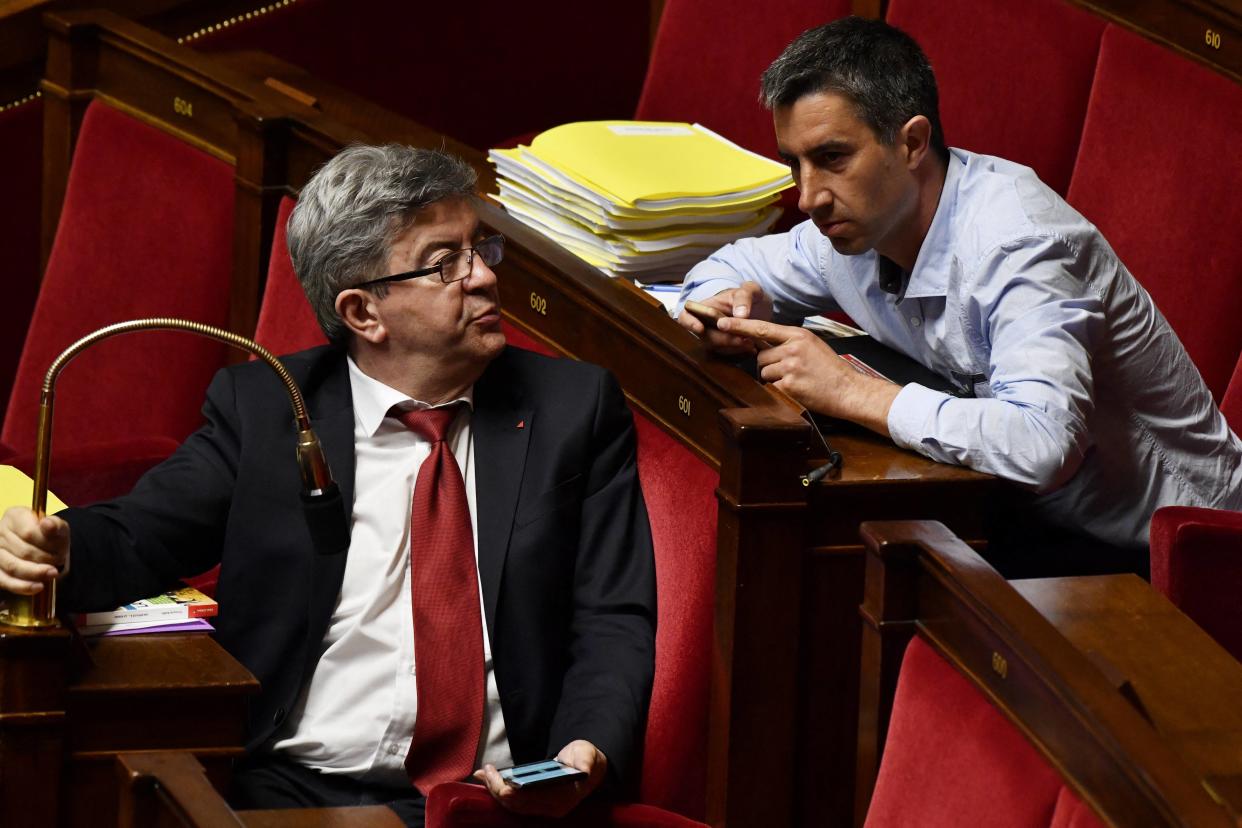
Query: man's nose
point(481, 276)
point(813, 194)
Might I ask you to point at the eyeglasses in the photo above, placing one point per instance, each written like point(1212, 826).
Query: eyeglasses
point(455, 266)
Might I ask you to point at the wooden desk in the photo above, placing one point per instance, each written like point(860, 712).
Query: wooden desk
point(1185, 683)
point(68, 706)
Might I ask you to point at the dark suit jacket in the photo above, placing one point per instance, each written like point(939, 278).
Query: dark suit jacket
point(565, 556)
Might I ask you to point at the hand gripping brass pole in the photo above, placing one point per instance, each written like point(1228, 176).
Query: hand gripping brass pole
point(39, 610)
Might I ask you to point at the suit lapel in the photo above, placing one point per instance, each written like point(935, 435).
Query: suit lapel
point(501, 424)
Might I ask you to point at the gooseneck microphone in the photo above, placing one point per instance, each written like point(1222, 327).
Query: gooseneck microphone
point(321, 498)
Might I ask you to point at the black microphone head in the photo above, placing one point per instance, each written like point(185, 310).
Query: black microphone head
point(326, 520)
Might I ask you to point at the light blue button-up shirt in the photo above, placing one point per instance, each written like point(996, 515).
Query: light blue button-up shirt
point(1082, 390)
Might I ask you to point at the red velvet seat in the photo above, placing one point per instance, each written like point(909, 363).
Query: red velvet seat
point(1196, 560)
point(951, 759)
point(706, 62)
point(708, 56)
point(1014, 75)
point(286, 322)
point(146, 230)
point(1153, 175)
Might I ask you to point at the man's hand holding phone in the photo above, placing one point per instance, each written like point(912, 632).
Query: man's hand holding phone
point(558, 796)
point(747, 301)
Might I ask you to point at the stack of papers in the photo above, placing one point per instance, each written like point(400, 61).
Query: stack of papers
point(642, 199)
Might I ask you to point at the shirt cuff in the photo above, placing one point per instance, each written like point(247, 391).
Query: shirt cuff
point(912, 408)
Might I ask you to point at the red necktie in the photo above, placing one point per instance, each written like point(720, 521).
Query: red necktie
point(448, 627)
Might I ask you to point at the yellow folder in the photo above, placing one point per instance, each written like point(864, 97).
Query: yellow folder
point(17, 489)
point(658, 164)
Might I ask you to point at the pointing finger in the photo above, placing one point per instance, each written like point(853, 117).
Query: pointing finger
point(766, 332)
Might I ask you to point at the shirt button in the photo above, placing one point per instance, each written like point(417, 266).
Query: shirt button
point(915, 321)
point(394, 749)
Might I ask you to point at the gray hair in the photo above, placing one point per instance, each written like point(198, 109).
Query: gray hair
point(878, 68)
point(354, 207)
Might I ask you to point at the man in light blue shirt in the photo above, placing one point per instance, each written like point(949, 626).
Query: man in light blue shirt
point(1072, 382)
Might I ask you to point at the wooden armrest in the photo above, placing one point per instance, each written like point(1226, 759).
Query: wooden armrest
point(171, 787)
point(168, 785)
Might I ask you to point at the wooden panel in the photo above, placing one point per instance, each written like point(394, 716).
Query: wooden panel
point(71, 705)
point(1209, 31)
point(23, 40)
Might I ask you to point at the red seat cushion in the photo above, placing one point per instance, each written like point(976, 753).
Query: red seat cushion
point(952, 759)
point(286, 321)
point(708, 56)
point(1153, 176)
point(1015, 81)
point(146, 230)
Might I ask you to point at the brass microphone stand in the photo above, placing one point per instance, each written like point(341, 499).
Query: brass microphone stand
point(39, 610)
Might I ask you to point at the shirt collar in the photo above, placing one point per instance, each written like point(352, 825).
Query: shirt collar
point(930, 276)
point(373, 399)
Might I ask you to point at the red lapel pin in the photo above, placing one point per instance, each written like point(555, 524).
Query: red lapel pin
point(521, 424)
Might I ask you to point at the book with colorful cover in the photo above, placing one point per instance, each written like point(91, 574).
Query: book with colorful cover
point(186, 602)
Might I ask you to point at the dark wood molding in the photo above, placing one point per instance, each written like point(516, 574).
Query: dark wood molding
point(1207, 31)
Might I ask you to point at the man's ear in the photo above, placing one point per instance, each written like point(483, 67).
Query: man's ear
point(357, 310)
point(915, 138)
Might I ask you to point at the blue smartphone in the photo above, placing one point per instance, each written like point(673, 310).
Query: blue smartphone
point(540, 773)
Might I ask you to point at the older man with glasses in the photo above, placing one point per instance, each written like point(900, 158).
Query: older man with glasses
point(496, 604)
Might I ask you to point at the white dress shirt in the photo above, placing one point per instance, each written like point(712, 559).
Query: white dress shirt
point(358, 712)
point(1082, 390)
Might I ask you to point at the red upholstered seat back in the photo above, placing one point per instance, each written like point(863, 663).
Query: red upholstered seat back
point(953, 759)
point(680, 490)
point(146, 230)
point(1154, 176)
point(286, 322)
point(708, 56)
point(1014, 75)
point(1196, 561)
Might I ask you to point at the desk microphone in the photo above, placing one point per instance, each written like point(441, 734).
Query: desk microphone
point(321, 498)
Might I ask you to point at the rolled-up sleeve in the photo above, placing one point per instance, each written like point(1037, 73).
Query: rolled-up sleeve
point(1031, 316)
